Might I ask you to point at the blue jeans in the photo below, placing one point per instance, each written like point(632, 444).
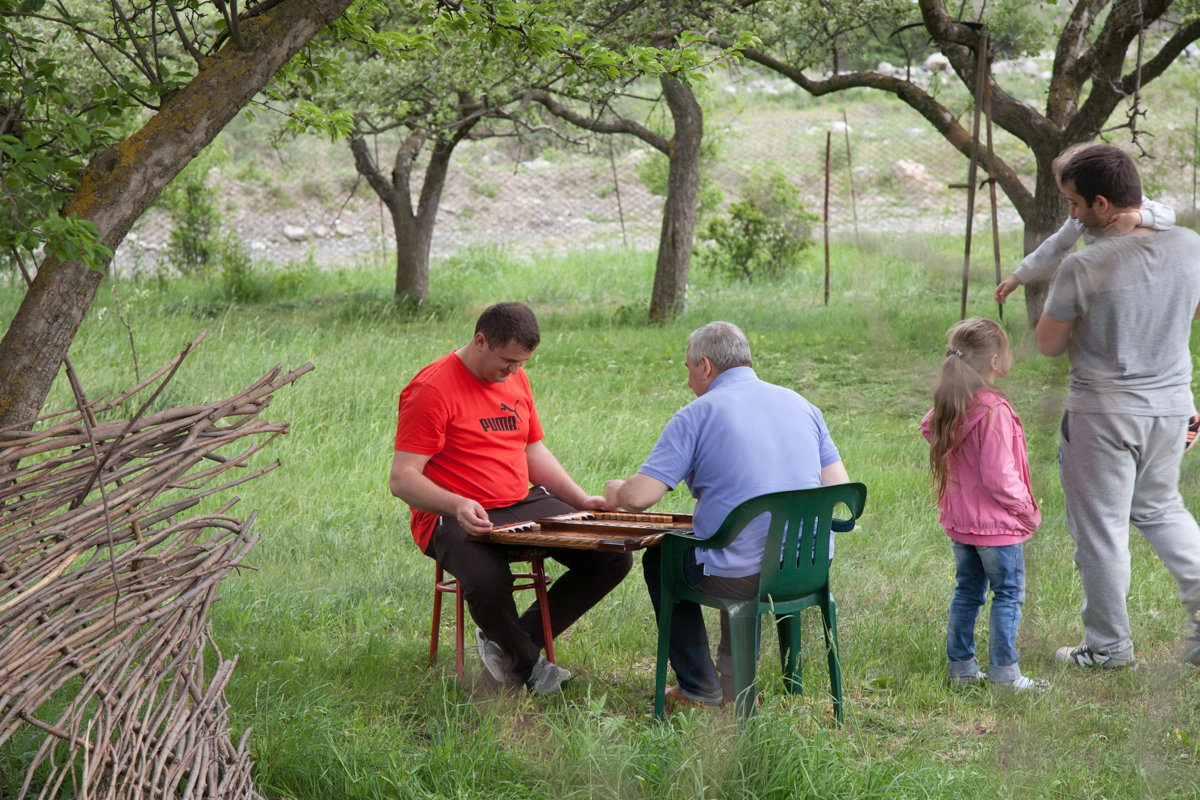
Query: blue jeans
point(977, 566)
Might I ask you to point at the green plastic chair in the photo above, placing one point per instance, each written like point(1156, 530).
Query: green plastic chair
point(795, 575)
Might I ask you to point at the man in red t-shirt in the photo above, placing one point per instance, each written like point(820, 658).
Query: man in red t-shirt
point(468, 445)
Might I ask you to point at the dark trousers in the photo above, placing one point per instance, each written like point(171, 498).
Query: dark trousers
point(697, 676)
point(483, 571)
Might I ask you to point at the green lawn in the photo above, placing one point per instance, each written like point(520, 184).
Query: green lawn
point(331, 628)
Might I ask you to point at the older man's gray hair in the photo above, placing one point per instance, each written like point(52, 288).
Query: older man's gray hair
point(723, 343)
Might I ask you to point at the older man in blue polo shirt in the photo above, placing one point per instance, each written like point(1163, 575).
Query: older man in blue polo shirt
point(741, 437)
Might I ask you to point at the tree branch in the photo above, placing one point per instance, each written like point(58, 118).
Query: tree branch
point(184, 39)
point(619, 125)
point(924, 104)
point(365, 165)
point(232, 24)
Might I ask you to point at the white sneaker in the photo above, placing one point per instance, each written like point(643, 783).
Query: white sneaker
point(1023, 684)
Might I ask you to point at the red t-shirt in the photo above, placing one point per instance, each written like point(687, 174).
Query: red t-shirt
point(475, 430)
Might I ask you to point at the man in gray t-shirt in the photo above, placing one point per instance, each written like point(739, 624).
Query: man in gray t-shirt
point(1122, 311)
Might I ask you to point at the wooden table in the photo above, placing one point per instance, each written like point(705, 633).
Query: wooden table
point(589, 530)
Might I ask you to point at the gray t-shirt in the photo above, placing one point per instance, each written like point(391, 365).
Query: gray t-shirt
point(1132, 299)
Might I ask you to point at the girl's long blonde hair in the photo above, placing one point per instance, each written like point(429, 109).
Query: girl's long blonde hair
point(972, 343)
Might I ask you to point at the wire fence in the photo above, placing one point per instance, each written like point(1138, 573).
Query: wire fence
point(888, 172)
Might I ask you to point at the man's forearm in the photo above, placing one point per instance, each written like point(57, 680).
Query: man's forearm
point(423, 494)
point(545, 470)
point(637, 493)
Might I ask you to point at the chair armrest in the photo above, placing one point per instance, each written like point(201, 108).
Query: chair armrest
point(842, 525)
point(689, 539)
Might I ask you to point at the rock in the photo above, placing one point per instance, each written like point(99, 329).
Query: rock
point(937, 62)
point(294, 233)
point(913, 172)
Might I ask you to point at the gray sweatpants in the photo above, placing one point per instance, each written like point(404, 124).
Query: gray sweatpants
point(1116, 470)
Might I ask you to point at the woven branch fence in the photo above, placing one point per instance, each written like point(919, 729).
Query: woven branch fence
point(105, 589)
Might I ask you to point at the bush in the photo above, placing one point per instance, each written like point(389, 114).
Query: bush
point(193, 245)
point(199, 244)
point(235, 266)
point(761, 236)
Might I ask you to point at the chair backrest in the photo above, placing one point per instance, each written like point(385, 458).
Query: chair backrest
point(796, 556)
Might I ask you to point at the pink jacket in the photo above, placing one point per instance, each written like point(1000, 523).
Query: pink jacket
point(989, 499)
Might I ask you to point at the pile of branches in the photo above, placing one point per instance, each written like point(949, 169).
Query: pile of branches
point(105, 589)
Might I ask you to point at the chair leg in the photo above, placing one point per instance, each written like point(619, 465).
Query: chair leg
point(829, 615)
point(788, 628)
point(459, 646)
point(437, 617)
point(743, 630)
point(539, 585)
point(666, 609)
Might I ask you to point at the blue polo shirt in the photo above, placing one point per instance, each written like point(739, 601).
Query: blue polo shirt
point(742, 438)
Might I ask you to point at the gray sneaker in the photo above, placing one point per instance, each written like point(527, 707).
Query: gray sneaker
point(547, 677)
point(492, 657)
point(1084, 656)
point(1191, 650)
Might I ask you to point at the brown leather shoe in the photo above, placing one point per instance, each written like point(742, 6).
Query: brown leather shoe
point(677, 699)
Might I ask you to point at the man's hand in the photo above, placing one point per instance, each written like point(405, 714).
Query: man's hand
point(472, 516)
point(612, 491)
point(595, 503)
point(1005, 288)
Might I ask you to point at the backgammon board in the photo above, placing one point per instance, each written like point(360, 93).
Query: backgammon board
point(590, 530)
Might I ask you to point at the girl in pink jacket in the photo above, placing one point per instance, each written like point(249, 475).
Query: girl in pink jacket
point(981, 477)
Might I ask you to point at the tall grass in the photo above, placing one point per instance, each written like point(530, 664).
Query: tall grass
point(331, 625)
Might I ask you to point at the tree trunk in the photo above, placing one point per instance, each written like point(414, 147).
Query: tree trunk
point(412, 250)
point(412, 258)
point(413, 228)
point(679, 211)
point(1049, 211)
point(119, 184)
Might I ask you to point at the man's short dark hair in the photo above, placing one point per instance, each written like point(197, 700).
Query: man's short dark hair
point(509, 322)
point(1104, 170)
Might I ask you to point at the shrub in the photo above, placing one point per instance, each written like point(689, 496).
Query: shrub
point(235, 265)
point(190, 202)
point(761, 236)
